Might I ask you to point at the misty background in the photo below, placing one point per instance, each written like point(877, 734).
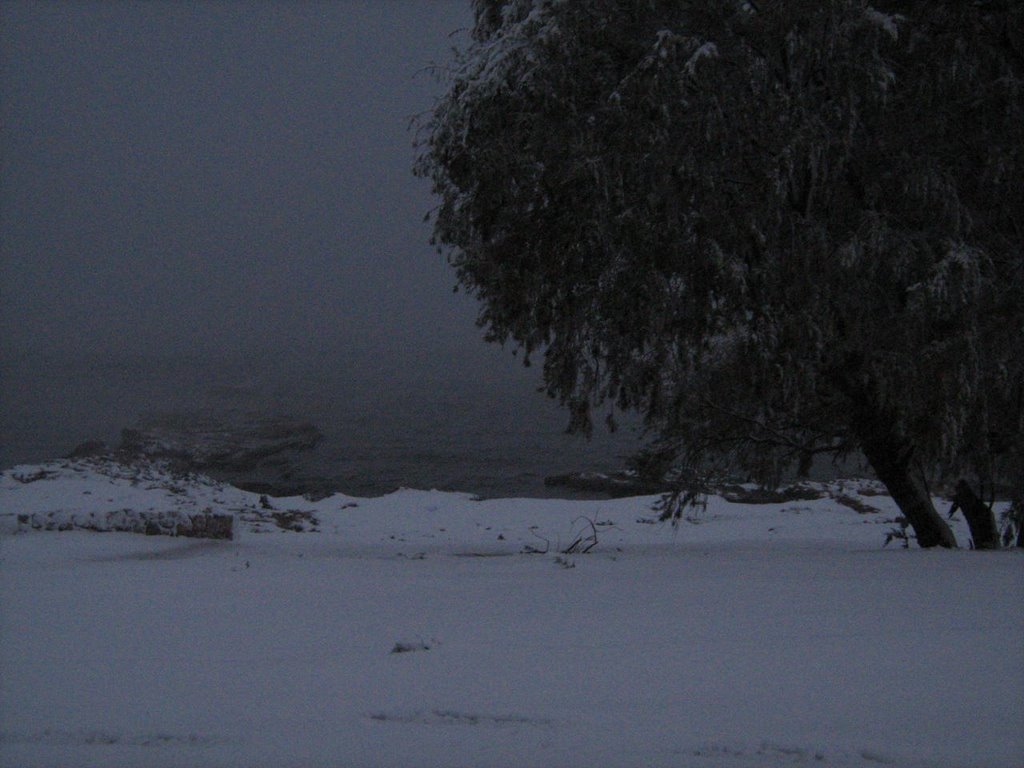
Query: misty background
point(210, 204)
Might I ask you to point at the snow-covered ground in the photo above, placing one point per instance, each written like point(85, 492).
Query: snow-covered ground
point(428, 629)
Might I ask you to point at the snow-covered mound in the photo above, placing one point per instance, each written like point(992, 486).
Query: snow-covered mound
point(83, 493)
point(424, 628)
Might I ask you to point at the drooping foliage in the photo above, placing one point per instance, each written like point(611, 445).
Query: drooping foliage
point(774, 229)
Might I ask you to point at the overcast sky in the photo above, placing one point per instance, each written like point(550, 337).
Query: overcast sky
point(198, 176)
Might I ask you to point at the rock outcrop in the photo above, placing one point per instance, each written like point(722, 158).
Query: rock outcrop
point(200, 525)
point(615, 484)
point(232, 442)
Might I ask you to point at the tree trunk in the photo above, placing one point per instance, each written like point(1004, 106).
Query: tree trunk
point(890, 459)
point(1017, 515)
point(1017, 508)
point(980, 518)
point(889, 452)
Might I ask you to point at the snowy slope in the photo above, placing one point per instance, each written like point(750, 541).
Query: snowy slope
point(774, 635)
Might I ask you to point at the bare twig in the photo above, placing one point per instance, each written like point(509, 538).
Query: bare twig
point(584, 542)
point(533, 550)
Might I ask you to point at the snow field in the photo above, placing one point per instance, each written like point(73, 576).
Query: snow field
point(775, 635)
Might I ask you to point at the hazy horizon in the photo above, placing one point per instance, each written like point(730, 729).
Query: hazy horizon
point(223, 178)
point(228, 186)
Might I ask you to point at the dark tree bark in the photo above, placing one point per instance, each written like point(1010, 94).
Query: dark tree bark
point(890, 455)
point(980, 518)
point(1017, 506)
point(1017, 514)
point(908, 490)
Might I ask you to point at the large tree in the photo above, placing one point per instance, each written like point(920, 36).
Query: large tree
point(775, 229)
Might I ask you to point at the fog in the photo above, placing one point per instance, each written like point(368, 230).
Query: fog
point(200, 196)
point(223, 177)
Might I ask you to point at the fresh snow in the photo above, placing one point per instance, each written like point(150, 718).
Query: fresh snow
point(886, 22)
point(424, 629)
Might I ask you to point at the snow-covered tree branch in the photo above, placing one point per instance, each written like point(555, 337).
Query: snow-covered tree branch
point(774, 231)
